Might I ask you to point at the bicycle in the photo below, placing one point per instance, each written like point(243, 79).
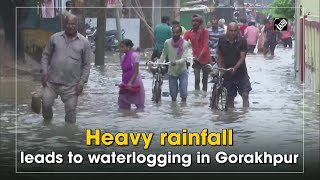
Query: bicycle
point(219, 94)
point(158, 72)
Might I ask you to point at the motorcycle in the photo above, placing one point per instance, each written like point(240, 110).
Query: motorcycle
point(90, 35)
point(111, 40)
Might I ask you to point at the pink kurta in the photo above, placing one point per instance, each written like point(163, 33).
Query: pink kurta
point(127, 98)
point(252, 35)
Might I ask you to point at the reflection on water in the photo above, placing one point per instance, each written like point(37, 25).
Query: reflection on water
point(274, 121)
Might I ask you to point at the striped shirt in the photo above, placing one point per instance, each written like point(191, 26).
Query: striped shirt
point(214, 35)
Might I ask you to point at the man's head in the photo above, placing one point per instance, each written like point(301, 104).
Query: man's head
point(176, 32)
point(232, 31)
point(175, 23)
point(271, 20)
point(165, 19)
point(196, 21)
point(71, 25)
point(243, 20)
point(69, 5)
point(222, 21)
point(214, 21)
point(251, 23)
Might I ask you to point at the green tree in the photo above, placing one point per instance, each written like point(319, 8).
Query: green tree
point(282, 8)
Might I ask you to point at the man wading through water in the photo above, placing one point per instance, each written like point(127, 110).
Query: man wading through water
point(199, 38)
point(232, 51)
point(176, 49)
point(65, 67)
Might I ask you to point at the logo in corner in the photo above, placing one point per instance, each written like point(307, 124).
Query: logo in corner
point(280, 24)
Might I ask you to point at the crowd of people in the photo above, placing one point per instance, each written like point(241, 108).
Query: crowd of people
point(66, 60)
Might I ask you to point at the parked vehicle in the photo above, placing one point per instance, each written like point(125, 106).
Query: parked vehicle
point(111, 40)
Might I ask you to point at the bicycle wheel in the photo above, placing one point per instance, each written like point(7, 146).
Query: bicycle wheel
point(157, 92)
point(221, 101)
point(213, 96)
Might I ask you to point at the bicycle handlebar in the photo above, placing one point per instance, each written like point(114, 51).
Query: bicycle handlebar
point(221, 69)
point(156, 63)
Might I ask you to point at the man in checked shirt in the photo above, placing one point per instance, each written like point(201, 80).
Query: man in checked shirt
point(65, 66)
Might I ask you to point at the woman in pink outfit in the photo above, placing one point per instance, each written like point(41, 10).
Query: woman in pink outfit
point(251, 33)
point(131, 89)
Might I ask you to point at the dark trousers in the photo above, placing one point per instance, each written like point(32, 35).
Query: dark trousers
point(197, 68)
point(251, 48)
point(156, 54)
point(287, 42)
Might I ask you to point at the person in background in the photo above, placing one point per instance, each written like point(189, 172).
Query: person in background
point(48, 9)
point(131, 78)
point(68, 10)
point(262, 37)
point(232, 50)
point(251, 33)
point(176, 23)
point(222, 24)
point(176, 49)
point(272, 38)
point(199, 38)
point(65, 67)
point(286, 37)
point(162, 32)
point(242, 26)
point(215, 32)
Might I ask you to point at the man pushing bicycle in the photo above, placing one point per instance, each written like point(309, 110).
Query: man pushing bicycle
point(231, 55)
point(176, 49)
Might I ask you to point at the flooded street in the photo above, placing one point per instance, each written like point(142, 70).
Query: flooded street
point(281, 119)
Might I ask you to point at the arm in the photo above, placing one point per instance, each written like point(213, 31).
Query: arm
point(220, 59)
point(243, 52)
point(246, 33)
point(164, 53)
point(46, 56)
point(186, 37)
point(45, 61)
point(205, 40)
point(86, 64)
point(241, 60)
point(136, 60)
point(136, 72)
point(219, 55)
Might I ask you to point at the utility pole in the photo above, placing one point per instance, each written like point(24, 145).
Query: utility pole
point(118, 26)
point(101, 31)
point(156, 12)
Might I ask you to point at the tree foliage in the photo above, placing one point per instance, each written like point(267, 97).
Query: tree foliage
point(282, 8)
